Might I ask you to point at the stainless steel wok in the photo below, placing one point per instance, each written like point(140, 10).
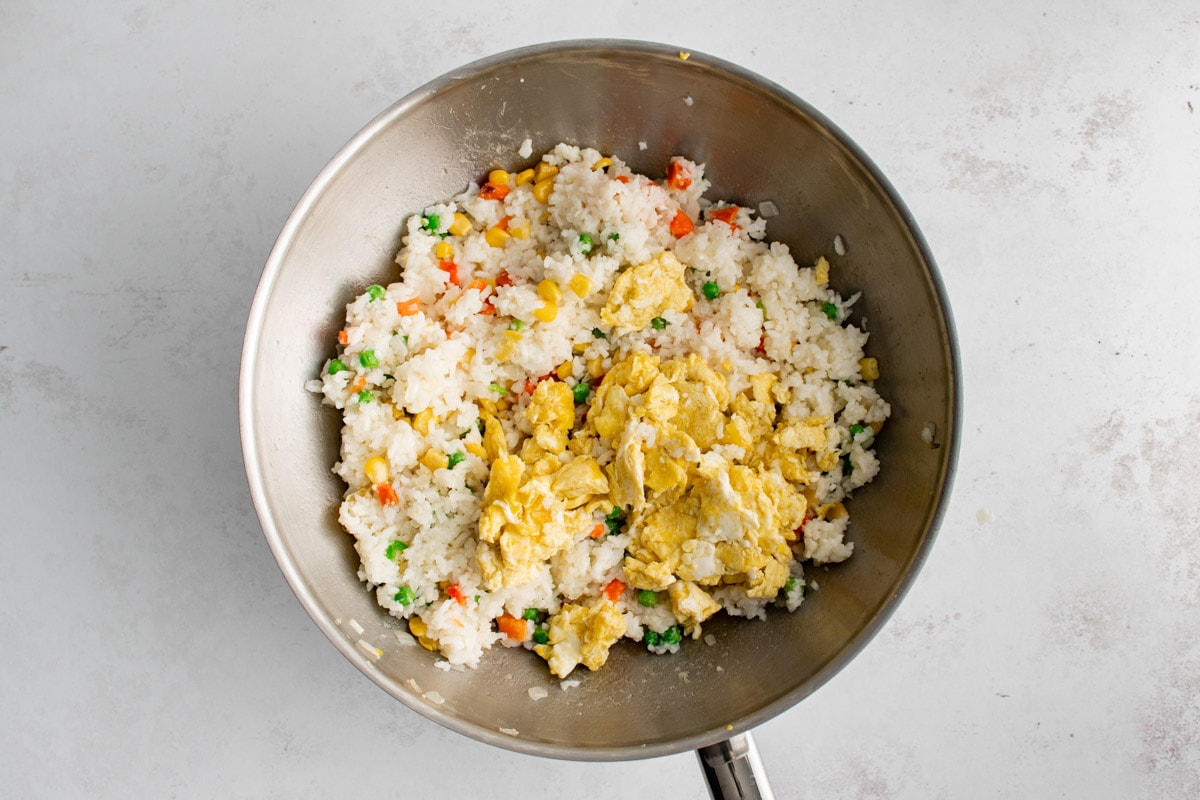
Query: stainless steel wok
point(760, 143)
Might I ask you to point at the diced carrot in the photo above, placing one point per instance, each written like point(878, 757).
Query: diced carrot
point(478, 284)
point(503, 279)
point(492, 191)
point(622, 178)
point(451, 269)
point(343, 337)
point(614, 589)
point(503, 223)
point(407, 308)
point(597, 531)
point(456, 593)
point(386, 494)
point(678, 176)
point(512, 627)
point(488, 309)
point(530, 385)
point(358, 384)
point(681, 225)
point(725, 214)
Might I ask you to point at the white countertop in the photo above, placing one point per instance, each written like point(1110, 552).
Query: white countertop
point(149, 154)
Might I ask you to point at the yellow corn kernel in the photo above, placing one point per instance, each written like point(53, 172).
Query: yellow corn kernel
point(524, 176)
point(580, 284)
point(832, 511)
point(513, 336)
point(467, 356)
point(869, 369)
point(429, 644)
point(422, 421)
point(435, 459)
point(542, 190)
point(547, 312)
point(377, 470)
point(579, 348)
point(602, 163)
point(476, 449)
point(548, 290)
point(543, 171)
point(461, 225)
point(504, 352)
point(397, 413)
point(877, 427)
point(596, 367)
point(519, 230)
point(564, 370)
point(497, 237)
point(737, 286)
point(498, 177)
point(503, 404)
point(417, 626)
point(821, 271)
point(444, 250)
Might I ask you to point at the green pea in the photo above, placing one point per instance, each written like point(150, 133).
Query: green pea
point(376, 291)
point(647, 598)
point(830, 310)
point(672, 635)
point(394, 549)
point(336, 366)
point(581, 392)
point(405, 596)
point(368, 359)
point(658, 323)
point(711, 290)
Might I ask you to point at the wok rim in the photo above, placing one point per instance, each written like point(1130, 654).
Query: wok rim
point(276, 537)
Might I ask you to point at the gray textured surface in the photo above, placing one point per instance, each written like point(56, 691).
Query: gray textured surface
point(149, 155)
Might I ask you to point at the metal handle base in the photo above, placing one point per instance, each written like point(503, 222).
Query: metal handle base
point(734, 770)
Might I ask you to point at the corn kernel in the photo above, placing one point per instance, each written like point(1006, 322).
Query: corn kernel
point(467, 356)
point(504, 352)
point(833, 511)
point(397, 413)
point(476, 449)
point(377, 470)
point(579, 348)
point(602, 163)
point(513, 336)
point(542, 190)
point(543, 171)
point(503, 404)
point(580, 284)
point(596, 367)
point(429, 644)
point(869, 369)
point(497, 237)
point(422, 421)
point(461, 225)
point(564, 370)
point(519, 230)
point(524, 176)
point(417, 626)
point(821, 271)
point(547, 312)
point(435, 459)
point(877, 427)
point(444, 250)
point(498, 177)
point(548, 290)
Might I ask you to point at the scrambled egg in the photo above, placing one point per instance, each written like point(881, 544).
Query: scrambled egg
point(703, 517)
point(582, 635)
point(644, 292)
point(714, 487)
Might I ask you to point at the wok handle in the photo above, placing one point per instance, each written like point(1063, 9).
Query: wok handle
point(734, 770)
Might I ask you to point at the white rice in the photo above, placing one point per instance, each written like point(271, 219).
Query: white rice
point(412, 382)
